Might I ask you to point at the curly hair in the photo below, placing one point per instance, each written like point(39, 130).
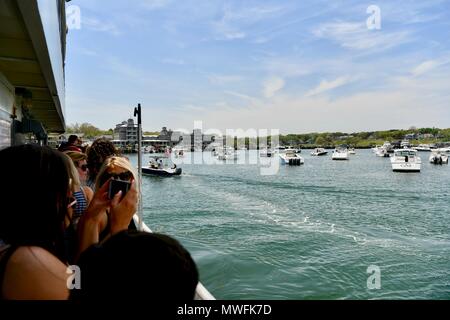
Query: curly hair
point(100, 150)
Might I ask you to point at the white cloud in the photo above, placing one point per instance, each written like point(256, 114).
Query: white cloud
point(272, 86)
point(328, 85)
point(363, 111)
point(242, 96)
point(358, 37)
point(101, 26)
point(424, 67)
point(233, 22)
point(429, 65)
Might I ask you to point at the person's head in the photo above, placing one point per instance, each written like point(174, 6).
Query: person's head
point(138, 265)
point(100, 150)
point(80, 161)
point(73, 139)
point(115, 167)
point(36, 184)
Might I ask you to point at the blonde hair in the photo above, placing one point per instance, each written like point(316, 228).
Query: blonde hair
point(113, 162)
point(76, 157)
point(74, 178)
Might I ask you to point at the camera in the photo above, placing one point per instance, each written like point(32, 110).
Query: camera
point(118, 185)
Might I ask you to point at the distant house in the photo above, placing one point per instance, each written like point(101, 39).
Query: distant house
point(425, 136)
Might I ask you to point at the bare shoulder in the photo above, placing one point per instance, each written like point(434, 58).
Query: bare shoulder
point(89, 193)
point(33, 273)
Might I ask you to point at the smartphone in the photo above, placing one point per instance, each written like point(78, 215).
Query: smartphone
point(118, 185)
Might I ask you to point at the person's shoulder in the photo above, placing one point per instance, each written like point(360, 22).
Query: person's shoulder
point(72, 148)
point(33, 273)
point(89, 193)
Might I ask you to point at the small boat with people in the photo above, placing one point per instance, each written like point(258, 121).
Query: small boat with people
point(352, 151)
point(438, 157)
point(406, 160)
point(157, 168)
point(291, 159)
point(319, 152)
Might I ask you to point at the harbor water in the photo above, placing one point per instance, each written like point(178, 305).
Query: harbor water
point(310, 232)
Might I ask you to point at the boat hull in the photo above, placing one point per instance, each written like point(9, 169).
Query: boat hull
point(291, 161)
point(406, 167)
point(161, 172)
point(340, 156)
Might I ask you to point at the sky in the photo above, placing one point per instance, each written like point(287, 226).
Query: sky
point(296, 66)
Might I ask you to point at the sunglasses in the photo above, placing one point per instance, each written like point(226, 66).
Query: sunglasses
point(84, 167)
point(72, 202)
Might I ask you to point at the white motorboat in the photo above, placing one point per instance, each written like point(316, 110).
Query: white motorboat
point(423, 148)
point(291, 159)
point(438, 157)
point(446, 150)
point(406, 160)
point(385, 150)
point(294, 150)
point(340, 154)
point(319, 152)
point(352, 151)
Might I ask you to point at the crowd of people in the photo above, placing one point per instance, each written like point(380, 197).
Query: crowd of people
point(63, 215)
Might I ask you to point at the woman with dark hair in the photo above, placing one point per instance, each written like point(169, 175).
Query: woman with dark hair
point(37, 185)
point(100, 150)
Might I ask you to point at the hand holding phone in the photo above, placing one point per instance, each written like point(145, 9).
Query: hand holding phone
point(118, 185)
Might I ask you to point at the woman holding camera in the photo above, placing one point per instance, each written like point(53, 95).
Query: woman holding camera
point(114, 203)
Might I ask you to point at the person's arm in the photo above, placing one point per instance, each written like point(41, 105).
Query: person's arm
point(93, 220)
point(33, 273)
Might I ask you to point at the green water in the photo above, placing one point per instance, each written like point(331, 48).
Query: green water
point(310, 232)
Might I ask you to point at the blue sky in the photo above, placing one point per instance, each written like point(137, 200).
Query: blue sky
point(297, 66)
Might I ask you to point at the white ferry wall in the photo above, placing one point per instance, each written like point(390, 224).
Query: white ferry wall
point(32, 88)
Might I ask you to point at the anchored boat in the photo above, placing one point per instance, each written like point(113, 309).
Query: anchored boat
point(291, 159)
point(406, 160)
point(438, 157)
